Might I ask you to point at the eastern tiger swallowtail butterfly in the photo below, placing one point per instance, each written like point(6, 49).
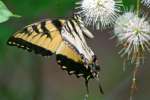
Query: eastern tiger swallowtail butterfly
point(65, 38)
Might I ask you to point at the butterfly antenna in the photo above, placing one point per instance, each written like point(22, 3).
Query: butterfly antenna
point(87, 90)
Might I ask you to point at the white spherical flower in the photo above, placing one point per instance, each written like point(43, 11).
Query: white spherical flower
point(133, 34)
point(146, 2)
point(99, 13)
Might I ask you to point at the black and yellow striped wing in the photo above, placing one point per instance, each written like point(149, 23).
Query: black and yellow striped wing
point(43, 37)
point(71, 60)
point(56, 36)
point(65, 38)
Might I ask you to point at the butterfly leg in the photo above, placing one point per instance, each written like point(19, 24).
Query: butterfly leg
point(99, 85)
point(87, 89)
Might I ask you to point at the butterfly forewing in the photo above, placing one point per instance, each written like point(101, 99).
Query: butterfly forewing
point(43, 37)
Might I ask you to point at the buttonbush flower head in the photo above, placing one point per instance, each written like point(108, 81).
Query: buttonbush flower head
point(99, 13)
point(133, 35)
point(146, 2)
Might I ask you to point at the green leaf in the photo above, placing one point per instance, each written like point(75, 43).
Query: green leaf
point(5, 14)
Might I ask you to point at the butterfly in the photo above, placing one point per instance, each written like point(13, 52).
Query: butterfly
point(64, 38)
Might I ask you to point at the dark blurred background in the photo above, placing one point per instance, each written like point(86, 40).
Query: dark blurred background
point(26, 76)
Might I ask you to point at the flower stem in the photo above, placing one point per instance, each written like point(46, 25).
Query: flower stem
point(133, 85)
point(138, 7)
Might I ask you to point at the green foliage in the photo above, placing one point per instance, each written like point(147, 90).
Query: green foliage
point(129, 3)
point(5, 14)
point(32, 8)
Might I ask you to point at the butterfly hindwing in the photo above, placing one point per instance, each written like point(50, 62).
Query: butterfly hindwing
point(70, 60)
point(43, 37)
